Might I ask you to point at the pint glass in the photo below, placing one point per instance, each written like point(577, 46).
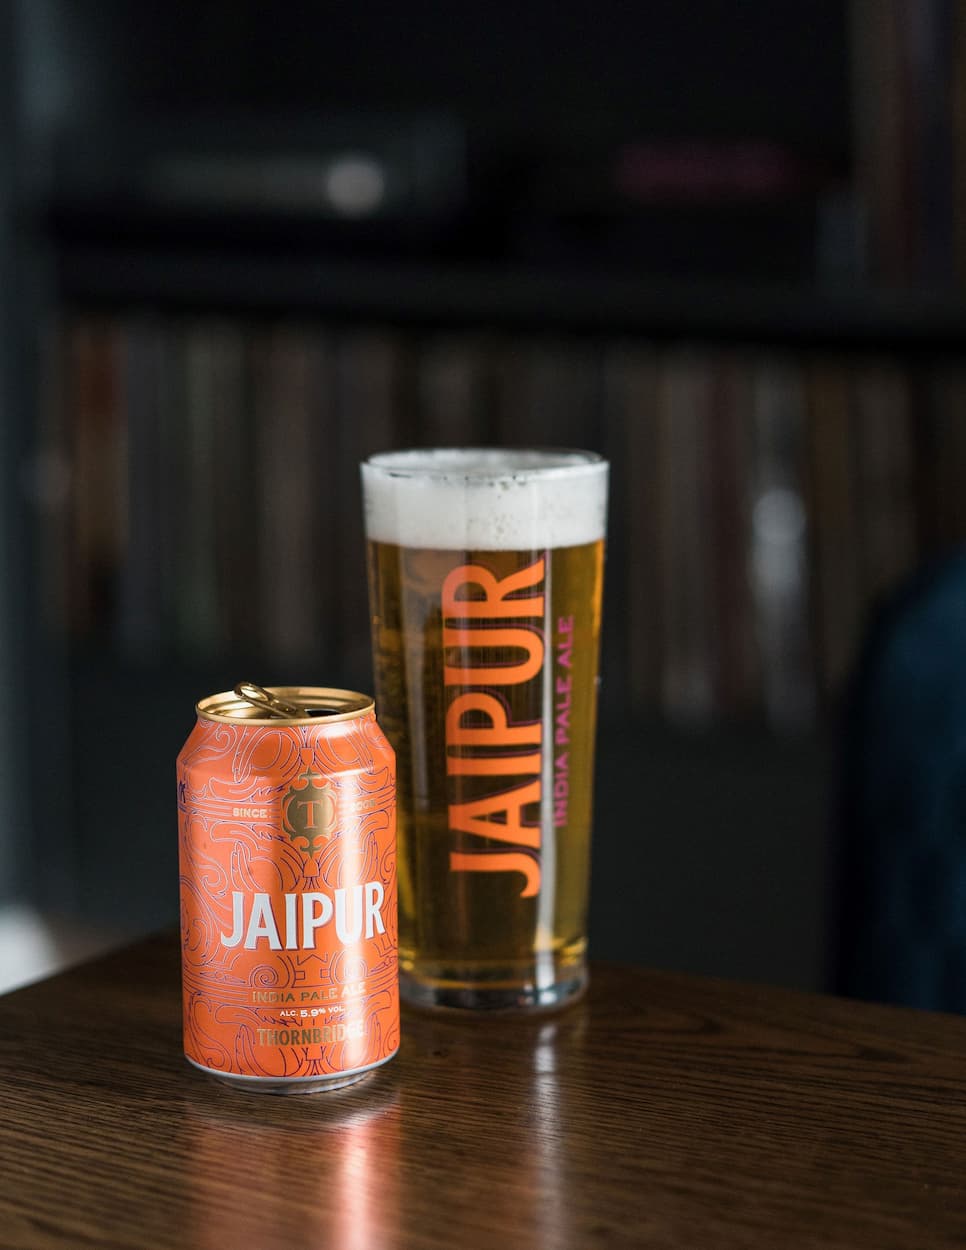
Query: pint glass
point(485, 578)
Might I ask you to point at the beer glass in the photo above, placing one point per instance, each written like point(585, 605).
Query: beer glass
point(485, 578)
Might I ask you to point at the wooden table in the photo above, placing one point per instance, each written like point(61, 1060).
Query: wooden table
point(661, 1111)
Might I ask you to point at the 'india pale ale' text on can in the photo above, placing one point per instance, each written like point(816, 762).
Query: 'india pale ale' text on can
point(287, 842)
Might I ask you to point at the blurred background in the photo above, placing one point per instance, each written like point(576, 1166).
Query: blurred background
point(244, 245)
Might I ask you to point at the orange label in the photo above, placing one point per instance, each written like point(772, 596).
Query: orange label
point(288, 898)
point(482, 649)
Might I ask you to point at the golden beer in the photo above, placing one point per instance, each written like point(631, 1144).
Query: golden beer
point(486, 624)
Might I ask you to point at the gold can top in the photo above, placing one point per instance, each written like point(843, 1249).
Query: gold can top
point(284, 705)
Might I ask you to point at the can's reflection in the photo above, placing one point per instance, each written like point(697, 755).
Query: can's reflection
point(416, 1147)
point(321, 1169)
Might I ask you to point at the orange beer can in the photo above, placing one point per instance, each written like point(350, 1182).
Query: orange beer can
point(287, 845)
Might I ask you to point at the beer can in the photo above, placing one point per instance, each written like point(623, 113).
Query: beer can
point(287, 844)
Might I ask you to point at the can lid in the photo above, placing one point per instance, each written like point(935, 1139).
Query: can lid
point(284, 705)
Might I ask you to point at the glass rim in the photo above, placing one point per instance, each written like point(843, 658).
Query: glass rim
point(485, 464)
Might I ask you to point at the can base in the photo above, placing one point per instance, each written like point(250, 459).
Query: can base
point(286, 1086)
point(461, 996)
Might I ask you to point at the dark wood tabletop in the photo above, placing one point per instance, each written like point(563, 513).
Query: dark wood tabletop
point(662, 1110)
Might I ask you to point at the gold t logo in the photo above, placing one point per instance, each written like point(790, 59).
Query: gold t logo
point(309, 812)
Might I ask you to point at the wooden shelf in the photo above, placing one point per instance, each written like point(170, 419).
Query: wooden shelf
point(454, 294)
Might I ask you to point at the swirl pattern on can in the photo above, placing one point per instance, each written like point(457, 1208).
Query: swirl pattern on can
point(287, 841)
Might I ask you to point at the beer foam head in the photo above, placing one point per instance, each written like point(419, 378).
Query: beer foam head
point(485, 499)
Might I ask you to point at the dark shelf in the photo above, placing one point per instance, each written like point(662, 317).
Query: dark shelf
point(453, 294)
